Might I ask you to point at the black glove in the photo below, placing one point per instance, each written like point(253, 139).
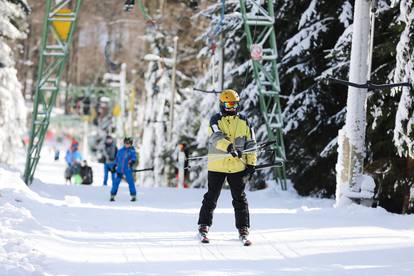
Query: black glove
point(131, 163)
point(233, 151)
point(113, 170)
point(250, 170)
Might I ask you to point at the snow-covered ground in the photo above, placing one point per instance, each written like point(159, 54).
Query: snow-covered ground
point(54, 229)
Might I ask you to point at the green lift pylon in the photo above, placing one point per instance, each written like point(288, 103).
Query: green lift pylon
point(260, 32)
point(58, 27)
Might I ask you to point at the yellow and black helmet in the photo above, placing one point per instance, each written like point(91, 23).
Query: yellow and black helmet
point(229, 95)
point(229, 102)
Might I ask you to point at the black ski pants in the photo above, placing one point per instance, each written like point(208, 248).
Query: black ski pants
point(240, 205)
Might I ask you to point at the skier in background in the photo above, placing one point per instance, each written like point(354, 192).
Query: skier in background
point(86, 173)
point(73, 158)
point(182, 162)
point(57, 153)
point(125, 160)
point(229, 134)
point(109, 155)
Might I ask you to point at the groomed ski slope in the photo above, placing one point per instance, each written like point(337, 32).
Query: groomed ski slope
point(53, 229)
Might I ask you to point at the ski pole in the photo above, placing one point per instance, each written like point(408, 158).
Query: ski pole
point(262, 167)
point(197, 157)
point(143, 170)
point(222, 155)
point(205, 156)
point(259, 147)
point(213, 157)
point(266, 166)
point(257, 168)
point(252, 149)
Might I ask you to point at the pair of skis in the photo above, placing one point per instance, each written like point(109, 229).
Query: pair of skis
point(204, 239)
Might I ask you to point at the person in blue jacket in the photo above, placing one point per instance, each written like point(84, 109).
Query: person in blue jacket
point(73, 159)
point(125, 159)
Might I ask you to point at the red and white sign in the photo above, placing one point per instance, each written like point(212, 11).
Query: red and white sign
point(256, 52)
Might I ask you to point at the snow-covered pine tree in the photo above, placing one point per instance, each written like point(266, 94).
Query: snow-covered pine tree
point(382, 160)
point(316, 42)
point(404, 72)
point(156, 148)
point(404, 121)
point(318, 47)
point(238, 75)
point(300, 68)
point(157, 85)
point(381, 106)
point(194, 118)
point(13, 27)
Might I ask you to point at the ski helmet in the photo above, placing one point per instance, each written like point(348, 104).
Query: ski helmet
point(108, 140)
point(229, 102)
point(128, 140)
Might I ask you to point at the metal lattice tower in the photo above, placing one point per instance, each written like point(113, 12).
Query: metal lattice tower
point(259, 28)
point(59, 25)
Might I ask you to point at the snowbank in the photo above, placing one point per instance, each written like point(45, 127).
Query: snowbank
point(56, 229)
point(17, 257)
point(12, 108)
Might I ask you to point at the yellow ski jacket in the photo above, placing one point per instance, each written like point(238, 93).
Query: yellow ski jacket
point(226, 130)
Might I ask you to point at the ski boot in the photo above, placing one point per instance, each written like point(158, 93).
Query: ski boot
point(243, 236)
point(133, 198)
point(112, 198)
point(202, 233)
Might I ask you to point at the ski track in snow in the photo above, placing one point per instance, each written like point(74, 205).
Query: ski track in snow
point(54, 229)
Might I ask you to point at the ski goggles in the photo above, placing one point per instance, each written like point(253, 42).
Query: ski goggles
point(230, 105)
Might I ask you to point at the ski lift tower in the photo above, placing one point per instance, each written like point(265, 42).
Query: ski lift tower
point(59, 25)
point(261, 39)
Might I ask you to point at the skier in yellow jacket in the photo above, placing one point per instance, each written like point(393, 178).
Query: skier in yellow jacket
point(229, 135)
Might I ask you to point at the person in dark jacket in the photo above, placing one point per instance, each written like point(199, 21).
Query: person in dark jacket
point(86, 173)
point(125, 160)
point(73, 159)
point(109, 153)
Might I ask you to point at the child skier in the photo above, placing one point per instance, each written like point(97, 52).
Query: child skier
point(229, 133)
point(125, 159)
point(73, 158)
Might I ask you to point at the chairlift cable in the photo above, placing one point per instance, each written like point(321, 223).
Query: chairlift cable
point(370, 86)
point(207, 91)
